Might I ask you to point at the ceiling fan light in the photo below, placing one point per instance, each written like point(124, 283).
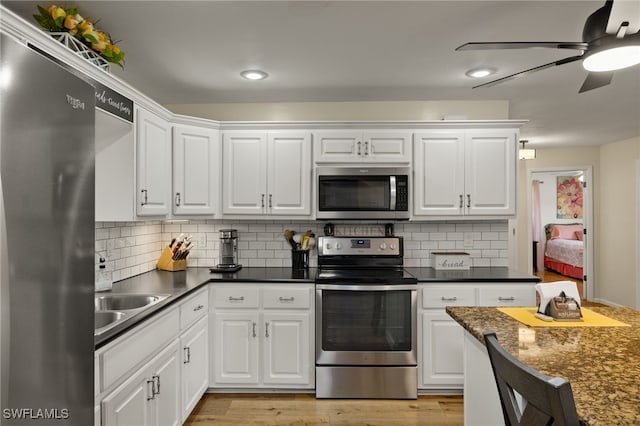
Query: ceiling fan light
point(480, 72)
point(613, 59)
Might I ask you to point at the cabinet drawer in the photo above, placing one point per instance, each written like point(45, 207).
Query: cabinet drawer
point(193, 309)
point(442, 296)
point(507, 295)
point(286, 298)
point(236, 297)
point(138, 346)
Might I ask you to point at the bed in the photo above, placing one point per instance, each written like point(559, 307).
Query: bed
point(564, 249)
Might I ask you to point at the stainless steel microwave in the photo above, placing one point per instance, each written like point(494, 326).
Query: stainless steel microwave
point(362, 193)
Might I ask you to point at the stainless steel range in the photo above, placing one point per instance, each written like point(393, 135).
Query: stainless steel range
point(366, 338)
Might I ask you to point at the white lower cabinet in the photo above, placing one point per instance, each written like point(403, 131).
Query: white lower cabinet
point(195, 365)
point(262, 336)
point(148, 397)
point(156, 373)
point(441, 338)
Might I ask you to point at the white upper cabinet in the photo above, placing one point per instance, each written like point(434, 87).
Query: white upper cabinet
point(153, 143)
point(267, 173)
point(465, 173)
point(346, 146)
point(196, 171)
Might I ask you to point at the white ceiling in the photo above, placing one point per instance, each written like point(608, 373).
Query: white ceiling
point(192, 52)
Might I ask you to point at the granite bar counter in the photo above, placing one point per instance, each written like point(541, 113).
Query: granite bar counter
point(601, 363)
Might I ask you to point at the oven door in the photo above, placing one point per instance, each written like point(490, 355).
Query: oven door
point(366, 324)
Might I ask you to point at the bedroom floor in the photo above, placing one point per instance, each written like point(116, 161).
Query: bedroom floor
point(550, 276)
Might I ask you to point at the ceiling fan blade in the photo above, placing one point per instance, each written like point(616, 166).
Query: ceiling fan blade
point(522, 45)
point(595, 80)
point(531, 70)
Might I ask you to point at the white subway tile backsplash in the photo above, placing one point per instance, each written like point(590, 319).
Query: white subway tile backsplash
point(132, 248)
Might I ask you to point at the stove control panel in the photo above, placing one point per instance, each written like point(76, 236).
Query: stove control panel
point(354, 246)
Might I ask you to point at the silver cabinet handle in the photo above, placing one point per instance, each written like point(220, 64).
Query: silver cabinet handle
point(266, 329)
point(236, 299)
point(197, 308)
point(153, 394)
point(506, 299)
point(287, 299)
point(254, 329)
point(156, 385)
point(468, 200)
point(146, 195)
point(461, 201)
point(187, 355)
point(177, 199)
point(359, 148)
point(270, 200)
point(448, 299)
point(366, 147)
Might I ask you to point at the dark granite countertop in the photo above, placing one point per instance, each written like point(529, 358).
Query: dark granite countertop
point(478, 274)
point(601, 363)
point(180, 284)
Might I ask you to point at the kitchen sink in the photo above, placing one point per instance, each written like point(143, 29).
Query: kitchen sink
point(112, 309)
point(105, 318)
point(123, 302)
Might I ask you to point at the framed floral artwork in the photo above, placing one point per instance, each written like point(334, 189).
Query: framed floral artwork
point(569, 197)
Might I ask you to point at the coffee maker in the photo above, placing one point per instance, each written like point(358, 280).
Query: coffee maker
point(228, 251)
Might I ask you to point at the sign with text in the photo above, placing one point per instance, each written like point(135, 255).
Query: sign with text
point(113, 102)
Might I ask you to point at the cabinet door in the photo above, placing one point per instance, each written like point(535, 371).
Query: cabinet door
point(128, 404)
point(442, 349)
point(289, 178)
point(380, 147)
point(438, 173)
point(196, 171)
point(337, 147)
point(153, 142)
point(195, 365)
point(286, 355)
point(490, 179)
point(245, 173)
point(166, 376)
point(235, 352)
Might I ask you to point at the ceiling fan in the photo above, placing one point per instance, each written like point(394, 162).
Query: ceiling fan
point(610, 41)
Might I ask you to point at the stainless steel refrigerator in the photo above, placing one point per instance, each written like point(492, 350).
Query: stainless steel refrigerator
point(46, 241)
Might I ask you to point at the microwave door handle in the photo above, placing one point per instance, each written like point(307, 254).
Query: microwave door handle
point(393, 193)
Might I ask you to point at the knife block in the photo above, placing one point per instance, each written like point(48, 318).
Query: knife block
point(166, 263)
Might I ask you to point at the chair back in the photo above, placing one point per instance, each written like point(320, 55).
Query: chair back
point(544, 401)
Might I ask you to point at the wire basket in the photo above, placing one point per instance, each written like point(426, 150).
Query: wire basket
point(81, 50)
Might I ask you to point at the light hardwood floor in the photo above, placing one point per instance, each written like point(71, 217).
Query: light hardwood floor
point(550, 276)
point(304, 409)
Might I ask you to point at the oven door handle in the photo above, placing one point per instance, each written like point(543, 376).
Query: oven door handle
point(348, 287)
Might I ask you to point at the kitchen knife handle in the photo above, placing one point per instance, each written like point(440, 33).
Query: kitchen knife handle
point(270, 200)
point(144, 202)
point(177, 199)
point(266, 329)
point(262, 200)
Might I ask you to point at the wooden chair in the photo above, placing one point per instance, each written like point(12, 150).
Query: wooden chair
point(545, 401)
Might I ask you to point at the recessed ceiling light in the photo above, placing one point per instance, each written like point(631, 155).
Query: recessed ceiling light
point(480, 72)
point(613, 59)
point(254, 74)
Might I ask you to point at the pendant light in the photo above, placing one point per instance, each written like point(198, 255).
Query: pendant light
point(526, 153)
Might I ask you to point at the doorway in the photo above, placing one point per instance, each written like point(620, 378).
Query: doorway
point(561, 196)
